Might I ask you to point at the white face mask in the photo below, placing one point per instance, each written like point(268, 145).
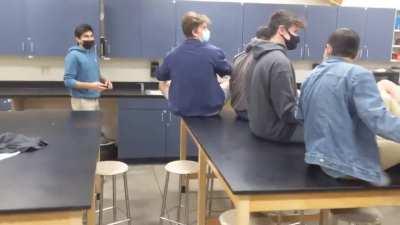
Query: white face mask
point(206, 35)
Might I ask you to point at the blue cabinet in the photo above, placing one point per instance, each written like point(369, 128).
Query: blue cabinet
point(122, 28)
point(321, 22)
point(12, 23)
point(353, 18)
point(157, 27)
point(146, 129)
point(172, 135)
point(5, 104)
point(141, 134)
point(378, 36)
point(255, 15)
point(50, 24)
point(226, 19)
point(368, 23)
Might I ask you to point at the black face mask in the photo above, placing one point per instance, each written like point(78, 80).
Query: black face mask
point(292, 43)
point(87, 44)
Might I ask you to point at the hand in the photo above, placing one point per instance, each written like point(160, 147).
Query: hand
point(98, 86)
point(109, 84)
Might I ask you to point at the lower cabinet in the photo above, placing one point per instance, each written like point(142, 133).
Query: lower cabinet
point(148, 130)
point(5, 104)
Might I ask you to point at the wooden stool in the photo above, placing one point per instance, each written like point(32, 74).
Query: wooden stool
point(113, 168)
point(183, 168)
point(357, 216)
point(229, 218)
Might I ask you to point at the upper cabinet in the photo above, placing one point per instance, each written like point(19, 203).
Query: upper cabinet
point(157, 28)
point(378, 36)
point(51, 23)
point(151, 28)
point(122, 28)
point(375, 28)
point(12, 23)
point(321, 22)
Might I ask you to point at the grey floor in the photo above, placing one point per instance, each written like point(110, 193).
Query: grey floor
point(146, 183)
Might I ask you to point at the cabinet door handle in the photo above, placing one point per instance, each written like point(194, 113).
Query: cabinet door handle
point(361, 54)
point(367, 53)
point(108, 49)
point(170, 117)
point(301, 52)
point(308, 51)
point(32, 45)
point(162, 115)
point(23, 46)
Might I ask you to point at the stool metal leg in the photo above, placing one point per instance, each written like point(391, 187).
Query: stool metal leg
point(211, 193)
point(101, 200)
point(128, 208)
point(164, 200)
point(301, 217)
point(187, 200)
point(114, 181)
point(179, 207)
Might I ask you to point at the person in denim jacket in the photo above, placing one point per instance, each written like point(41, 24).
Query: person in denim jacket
point(342, 111)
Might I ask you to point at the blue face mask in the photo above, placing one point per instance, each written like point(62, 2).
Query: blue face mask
point(206, 35)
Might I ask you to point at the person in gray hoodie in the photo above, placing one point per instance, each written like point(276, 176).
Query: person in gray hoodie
point(243, 64)
point(273, 92)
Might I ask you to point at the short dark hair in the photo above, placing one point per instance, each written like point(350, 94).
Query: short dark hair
point(344, 42)
point(192, 20)
point(262, 33)
point(81, 29)
point(285, 18)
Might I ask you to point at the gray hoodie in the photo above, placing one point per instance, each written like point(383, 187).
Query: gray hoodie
point(272, 93)
point(243, 65)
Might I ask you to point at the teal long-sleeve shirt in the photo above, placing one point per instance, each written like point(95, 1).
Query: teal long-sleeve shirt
point(81, 65)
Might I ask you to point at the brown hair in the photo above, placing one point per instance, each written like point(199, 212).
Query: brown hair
point(191, 21)
point(285, 18)
point(344, 42)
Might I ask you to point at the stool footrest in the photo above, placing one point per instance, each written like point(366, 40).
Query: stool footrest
point(106, 209)
point(172, 221)
point(120, 221)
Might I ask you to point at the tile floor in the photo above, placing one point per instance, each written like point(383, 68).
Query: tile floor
point(146, 183)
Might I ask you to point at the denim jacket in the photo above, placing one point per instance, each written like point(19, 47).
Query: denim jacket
point(342, 111)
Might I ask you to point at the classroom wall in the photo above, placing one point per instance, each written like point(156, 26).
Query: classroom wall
point(19, 68)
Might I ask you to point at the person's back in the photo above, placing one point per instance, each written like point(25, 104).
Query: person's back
point(243, 65)
point(194, 89)
point(239, 85)
point(342, 111)
point(192, 68)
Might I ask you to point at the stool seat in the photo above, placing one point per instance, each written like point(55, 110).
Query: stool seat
point(111, 168)
point(358, 215)
point(182, 167)
point(229, 218)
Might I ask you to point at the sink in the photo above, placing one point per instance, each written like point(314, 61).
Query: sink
point(153, 92)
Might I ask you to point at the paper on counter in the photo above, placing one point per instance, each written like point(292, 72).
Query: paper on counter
point(8, 155)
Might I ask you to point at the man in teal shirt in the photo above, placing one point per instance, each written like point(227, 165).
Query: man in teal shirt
point(82, 74)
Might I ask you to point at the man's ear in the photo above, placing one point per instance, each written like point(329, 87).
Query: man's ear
point(195, 32)
point(282, 31)
point(328, 50)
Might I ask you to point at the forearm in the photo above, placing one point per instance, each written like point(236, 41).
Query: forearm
point(84, 85)
point(164, 87)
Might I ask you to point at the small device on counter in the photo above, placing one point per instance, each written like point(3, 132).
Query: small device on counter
point(153, 68)
point(386, 74)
